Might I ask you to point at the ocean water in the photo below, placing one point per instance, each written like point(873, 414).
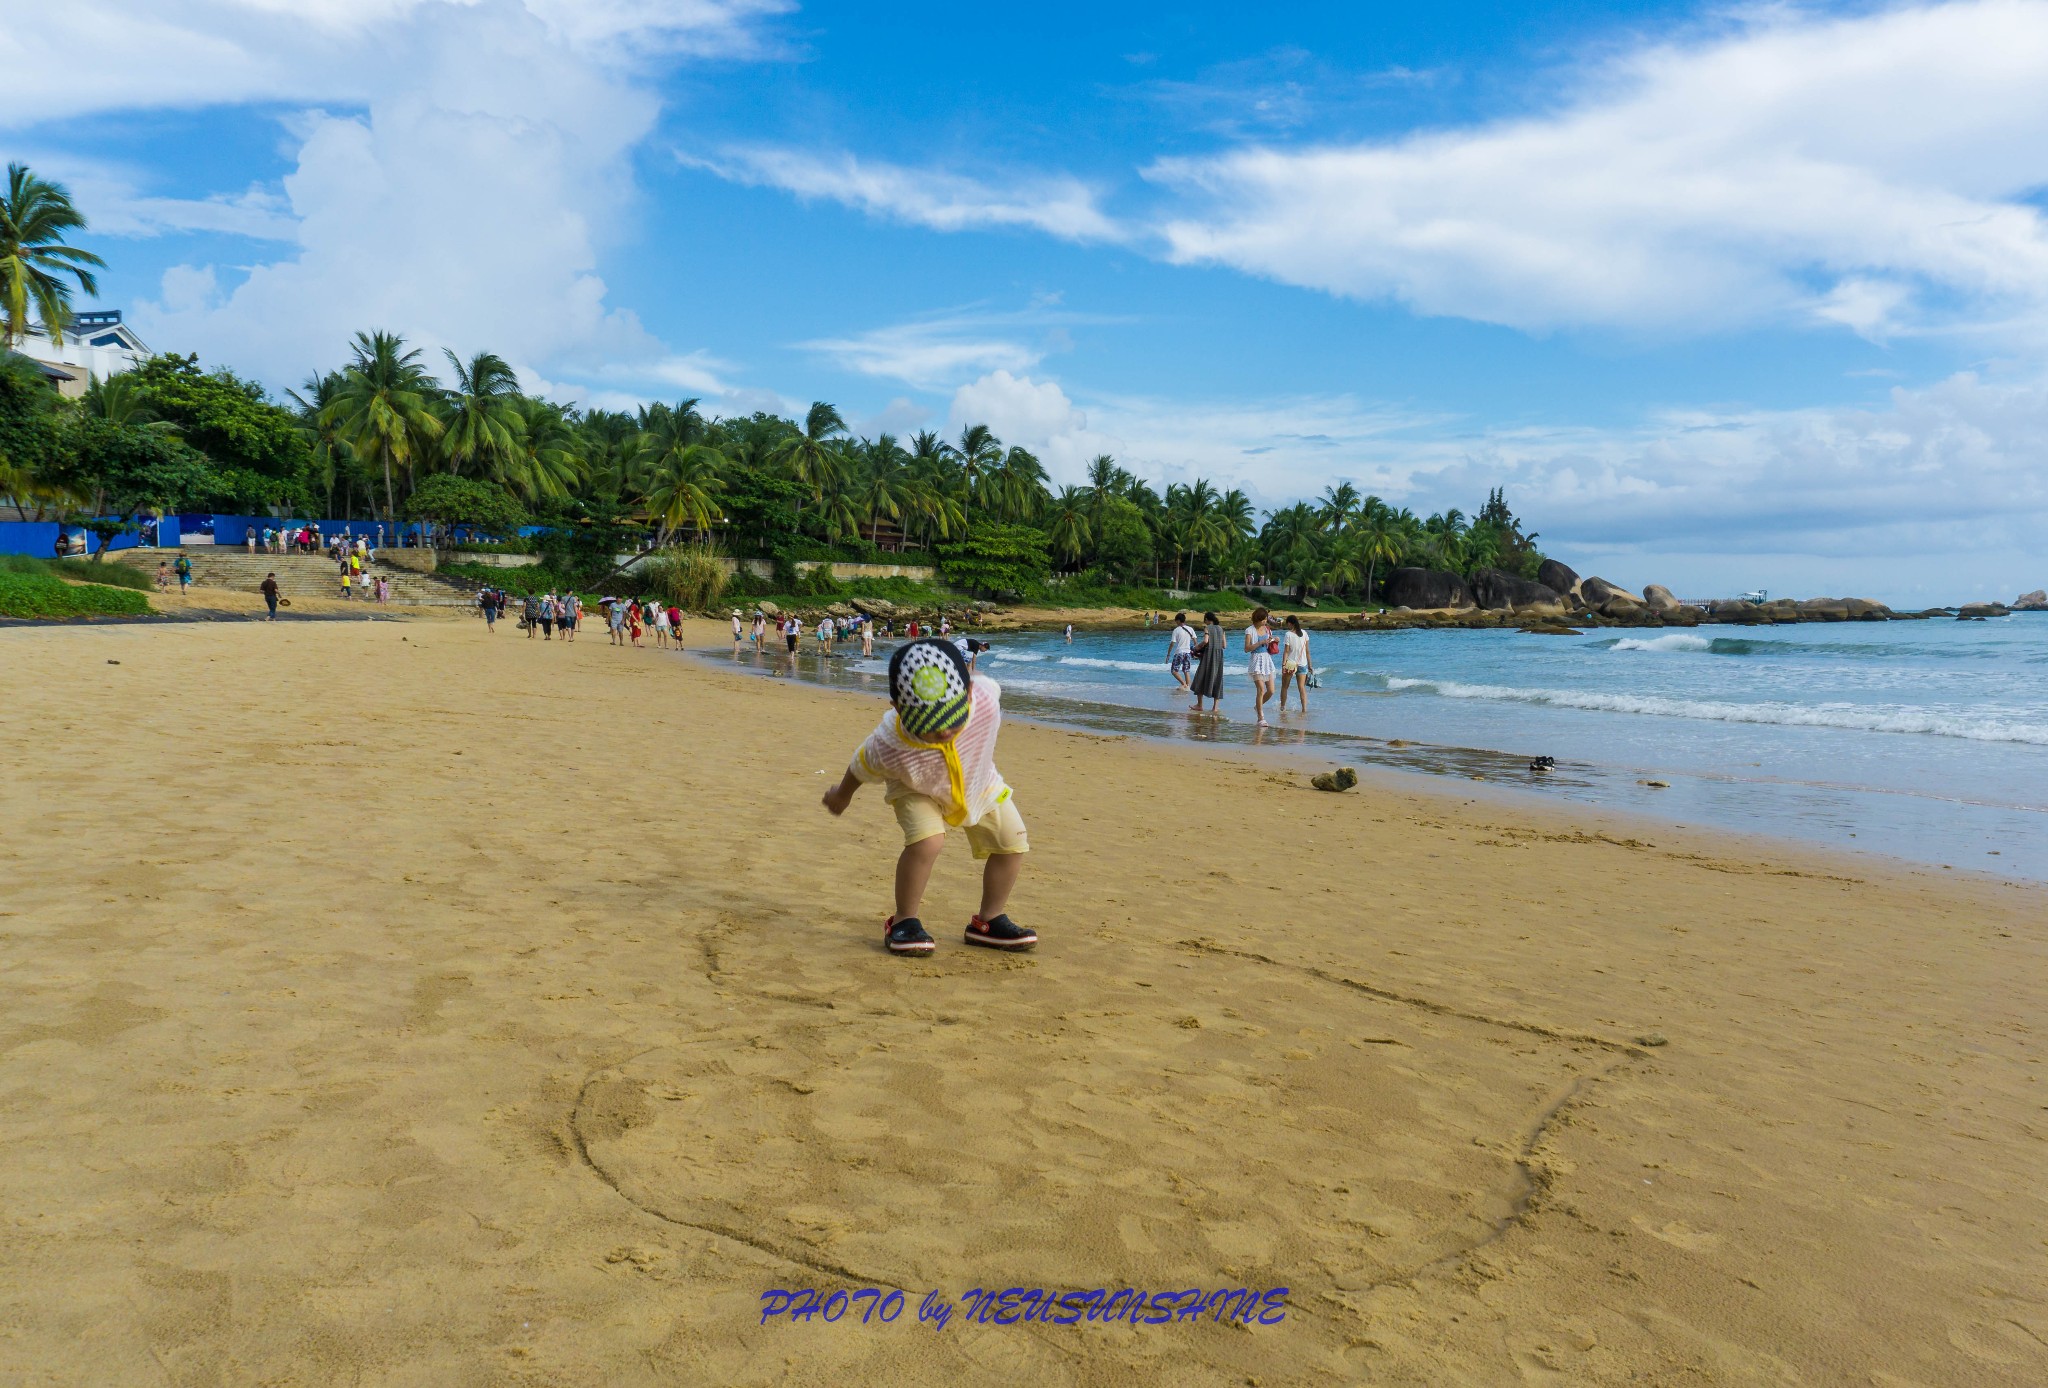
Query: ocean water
point(1925, 740)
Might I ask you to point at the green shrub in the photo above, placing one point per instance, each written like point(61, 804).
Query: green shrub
point(691, 577)
point(40, 595)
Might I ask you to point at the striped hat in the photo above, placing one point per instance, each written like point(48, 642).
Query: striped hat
point(928, 683)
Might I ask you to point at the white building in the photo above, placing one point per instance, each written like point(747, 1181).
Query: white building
point(96, 346)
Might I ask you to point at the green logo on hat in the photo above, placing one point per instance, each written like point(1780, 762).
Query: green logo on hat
point(929, 684)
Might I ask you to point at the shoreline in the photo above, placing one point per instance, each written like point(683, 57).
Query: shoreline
point(1453, 769)
point(550, 1054)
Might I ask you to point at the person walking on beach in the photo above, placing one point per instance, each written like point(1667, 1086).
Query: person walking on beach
point(760, 630)
point(633, 627)
point(661, 627)
point(572, 615)
point(1295, 663)
point(1259, 641)
point(487, 602)
point(1180, 651)
point(792, 632)
point(184, 572)
point(1208, 680)
point(867, 636)
point(249, 538)
point(935, 750)
point(739, 631)
point(270, 595)
point(530, 610)
point(1070, 633)
point(826, 631)
point(163, 576)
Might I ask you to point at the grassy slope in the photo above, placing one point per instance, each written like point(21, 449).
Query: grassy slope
point(41, 595)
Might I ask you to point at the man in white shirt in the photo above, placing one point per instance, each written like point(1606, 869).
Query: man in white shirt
point(1180, 650)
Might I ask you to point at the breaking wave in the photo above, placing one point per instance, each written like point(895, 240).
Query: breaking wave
point(1874, 719)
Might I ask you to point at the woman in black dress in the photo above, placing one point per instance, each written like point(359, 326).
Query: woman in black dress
point(1208, 681)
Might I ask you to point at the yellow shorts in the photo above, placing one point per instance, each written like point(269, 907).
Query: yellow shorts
point(1001, 830)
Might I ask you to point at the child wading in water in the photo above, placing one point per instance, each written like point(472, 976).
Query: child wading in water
point(936, 750)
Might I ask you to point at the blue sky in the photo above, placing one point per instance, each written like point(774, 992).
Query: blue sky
point(1724, 297)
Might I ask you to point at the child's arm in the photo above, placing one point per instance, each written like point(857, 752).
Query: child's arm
point(841, 795)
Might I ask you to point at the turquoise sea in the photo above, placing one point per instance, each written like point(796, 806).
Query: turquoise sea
point(1925, 740)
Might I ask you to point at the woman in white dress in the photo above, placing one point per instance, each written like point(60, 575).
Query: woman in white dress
point(1261, 643)
point(1295, 663)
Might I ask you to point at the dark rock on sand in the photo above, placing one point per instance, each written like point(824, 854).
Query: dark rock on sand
point(1558, 578)
point(1426, 588)
point(1596, 592)
point(1496, 590)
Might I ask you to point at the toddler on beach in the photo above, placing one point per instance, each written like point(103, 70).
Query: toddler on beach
point(936, 750)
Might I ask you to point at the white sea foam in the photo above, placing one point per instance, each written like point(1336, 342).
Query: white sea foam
point(1676, 641)
point(1093, 663)
point(1858, 718)
point(1008, 657)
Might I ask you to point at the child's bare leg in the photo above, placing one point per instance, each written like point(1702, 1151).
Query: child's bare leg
point(913, 872)
point(998, 880)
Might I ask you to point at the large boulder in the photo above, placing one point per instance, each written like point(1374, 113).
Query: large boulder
point(1496, 590)
point(1864, 610)
point(1596, 592)
point(767, 608)
point(874, 607)
point(1426, 588)
point(1658, 598)
point(2036, 601)
point(1824, 609)
point(1622, 608)
point(1558, 578)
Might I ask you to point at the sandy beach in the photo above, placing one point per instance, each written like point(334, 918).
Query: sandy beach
point(393, 1003)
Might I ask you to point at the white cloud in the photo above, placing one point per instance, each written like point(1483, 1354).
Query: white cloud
point(935, 352)
point(1058, 204)
point(1864, 170)
point(1935, 496)
point(86, 56)
point(458, 195)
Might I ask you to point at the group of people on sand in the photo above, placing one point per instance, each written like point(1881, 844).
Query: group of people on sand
point(829, 632)
point(1196, 662)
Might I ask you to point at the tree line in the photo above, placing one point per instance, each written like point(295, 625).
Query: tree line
point(384, 439)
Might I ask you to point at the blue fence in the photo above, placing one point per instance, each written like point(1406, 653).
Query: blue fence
point(40, 537)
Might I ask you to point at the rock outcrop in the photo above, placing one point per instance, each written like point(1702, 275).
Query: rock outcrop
point(1658, 598)
point(1426, 588)
point(1496, 590)
point(2036, 601)
point(1558, 578)
point(1596, 592)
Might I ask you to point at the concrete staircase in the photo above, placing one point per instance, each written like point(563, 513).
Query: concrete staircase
point(298, 575)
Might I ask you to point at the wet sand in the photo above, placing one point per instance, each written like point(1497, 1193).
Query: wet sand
point(390, 1003)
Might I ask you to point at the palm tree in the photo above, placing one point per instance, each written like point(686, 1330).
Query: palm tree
point(484, 420)
point(118, 401)
point(684, 487)
point(1017, 486)
point(550, 466)
point(1381, 541)
point(976, 455)
point(34, 215)
point(811, 457)
point(1066, 523)
point(887, 488)
point(1338, 505)
point(331, 457)
point(384, 408)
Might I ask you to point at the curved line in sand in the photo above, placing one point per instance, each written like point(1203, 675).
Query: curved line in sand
point(1531, 1178)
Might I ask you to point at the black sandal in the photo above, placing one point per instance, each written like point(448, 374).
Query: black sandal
point(907, 936)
